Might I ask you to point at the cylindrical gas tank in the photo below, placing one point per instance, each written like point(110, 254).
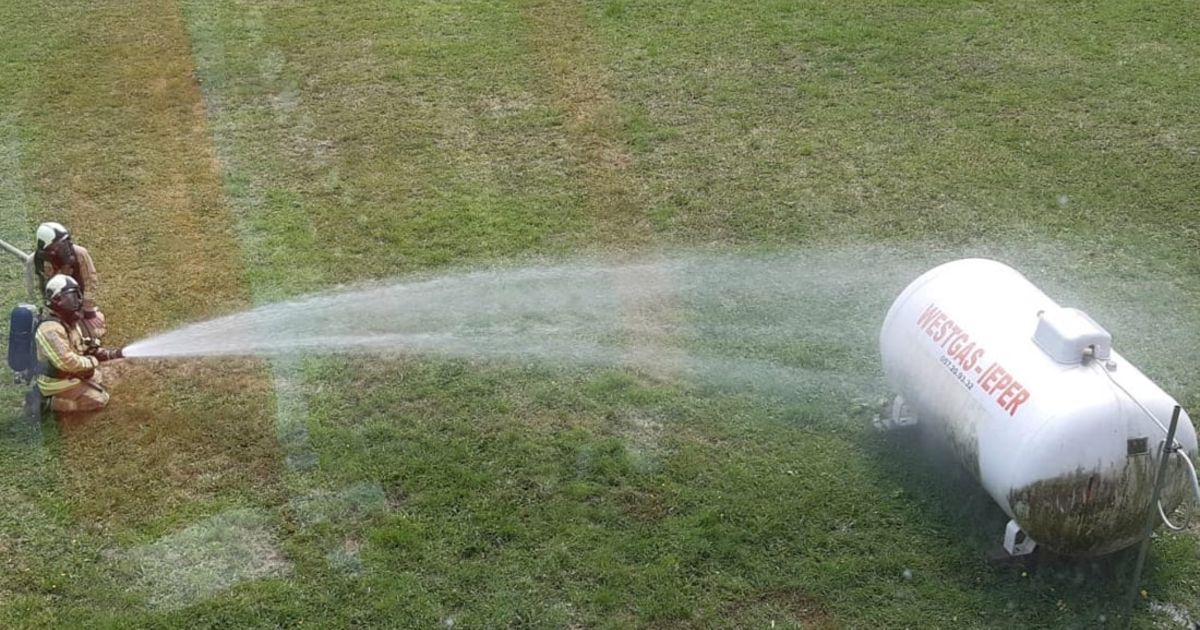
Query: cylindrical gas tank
point(1029, 396)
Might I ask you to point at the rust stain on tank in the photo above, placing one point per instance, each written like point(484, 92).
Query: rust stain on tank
point(1092, 513)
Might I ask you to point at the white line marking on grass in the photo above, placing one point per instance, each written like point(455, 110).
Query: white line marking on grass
point(1175, 613)
point(291, 415)
point(207, 558)
point(351, 503)
point(16, 228)
point(244, 183)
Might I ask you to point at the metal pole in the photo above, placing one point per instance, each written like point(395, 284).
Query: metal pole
point(14, 251)
point(1168, 449)
point(27, 259)
point(30, 285)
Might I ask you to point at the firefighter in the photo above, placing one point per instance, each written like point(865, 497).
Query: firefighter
point(70, 379)
point(55, 253)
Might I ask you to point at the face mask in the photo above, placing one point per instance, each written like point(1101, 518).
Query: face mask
point(62, 253)
point(70, 302)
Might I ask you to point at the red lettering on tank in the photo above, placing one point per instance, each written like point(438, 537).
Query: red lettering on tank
point(946, 329)
point(927, 315)
point(1021, 397)
point(955, 346)
point(953, 336)
point(1006, 379)
point(1006, 396)
point(990, 376)
point(972, 359)
point(961, 356)
point(964, 353)
point(986, 373)
point(934, 328)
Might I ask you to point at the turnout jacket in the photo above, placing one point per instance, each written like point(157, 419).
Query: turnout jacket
point(61, 347)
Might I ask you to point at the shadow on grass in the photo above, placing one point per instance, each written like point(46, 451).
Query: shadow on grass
point(1041, 589)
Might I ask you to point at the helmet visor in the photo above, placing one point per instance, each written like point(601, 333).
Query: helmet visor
point(69, 300)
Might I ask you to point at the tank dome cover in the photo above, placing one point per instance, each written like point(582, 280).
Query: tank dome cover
point(1066, 334)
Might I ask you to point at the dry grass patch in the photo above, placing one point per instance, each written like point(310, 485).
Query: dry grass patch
point(789, 607)
point(120, 154)
point(177, 437)
point(132, 170)
point(573, 67)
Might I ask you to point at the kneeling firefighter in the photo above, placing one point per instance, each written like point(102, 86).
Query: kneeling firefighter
point(55, 253)
point(70, 379)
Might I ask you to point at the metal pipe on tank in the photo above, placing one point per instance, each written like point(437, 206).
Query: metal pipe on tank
point(1168, 449)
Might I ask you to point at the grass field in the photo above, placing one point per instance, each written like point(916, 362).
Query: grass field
point(218, 154)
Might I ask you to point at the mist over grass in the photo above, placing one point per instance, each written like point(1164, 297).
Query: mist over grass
point(788, 320)
point(720, 199)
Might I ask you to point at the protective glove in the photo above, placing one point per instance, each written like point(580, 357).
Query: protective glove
point(105, 354)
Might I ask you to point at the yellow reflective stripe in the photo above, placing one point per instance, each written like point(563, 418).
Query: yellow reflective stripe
point(47, 348)
point(53, 355)
point(51, 386)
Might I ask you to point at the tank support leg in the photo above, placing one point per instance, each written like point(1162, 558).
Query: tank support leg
point(900, 416)
point(1016, 543)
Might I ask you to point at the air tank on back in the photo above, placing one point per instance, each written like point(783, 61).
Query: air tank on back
point(1035, 404)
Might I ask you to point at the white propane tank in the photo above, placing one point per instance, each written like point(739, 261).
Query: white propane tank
point(1028, 394)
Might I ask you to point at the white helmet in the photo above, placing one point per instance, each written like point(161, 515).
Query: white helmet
point(58, 285)
point(49, 233)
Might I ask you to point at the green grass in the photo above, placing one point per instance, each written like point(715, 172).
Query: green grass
point(279, 149)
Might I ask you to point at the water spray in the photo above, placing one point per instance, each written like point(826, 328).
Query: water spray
point(758, 321)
